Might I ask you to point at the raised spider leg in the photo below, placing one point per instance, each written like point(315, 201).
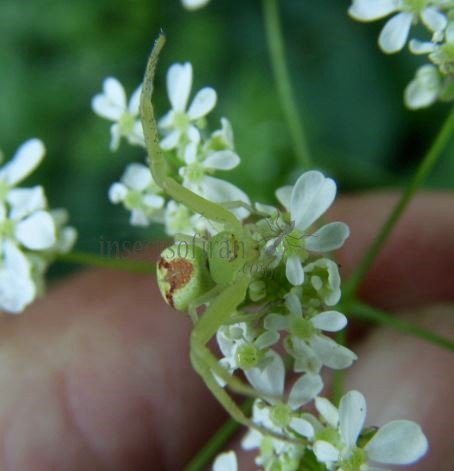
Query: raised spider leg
point(158, 163)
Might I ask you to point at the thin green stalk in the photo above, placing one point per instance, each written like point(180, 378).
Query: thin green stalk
point(90, 259)
point(339, 375)
point(372, 314)
point(215, 444)
point(431, 157)
point(284, 87)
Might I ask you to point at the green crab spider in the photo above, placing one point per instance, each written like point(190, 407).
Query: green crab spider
point(231, 282)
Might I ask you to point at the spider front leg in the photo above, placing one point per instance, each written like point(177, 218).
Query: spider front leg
point(208, 324)
point(206, 364)
point(158, 164)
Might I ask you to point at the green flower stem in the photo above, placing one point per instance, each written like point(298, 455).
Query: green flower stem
point(435, 151)
point(215, 444)
point(283, 84)
point(372, 314)
point(339, 375)
point(90, 259)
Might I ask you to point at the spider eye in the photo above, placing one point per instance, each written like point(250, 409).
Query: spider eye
point(182, 275)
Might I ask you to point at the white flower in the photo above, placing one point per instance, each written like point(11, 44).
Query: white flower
point(305, 339)
point(194, 4)
point(440, 50)
point(398, 442)
point(280, 414)
point(139, 194)
point(30, 235)
point(24, 161)
point(242, 347)
point(323, 276)
point(226, 462)
point(23, 218)
point(196, 177)
point(178, 219)
point(112, 105)
point(395, 32)
point(424, 89)
point(179, 121)
point(17, 289)
point(306, 202)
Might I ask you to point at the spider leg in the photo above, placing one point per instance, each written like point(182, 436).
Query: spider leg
point(158, 164)
point(200, 301)
point(208, 324)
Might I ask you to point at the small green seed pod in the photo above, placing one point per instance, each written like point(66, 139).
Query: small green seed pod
point(182, 279)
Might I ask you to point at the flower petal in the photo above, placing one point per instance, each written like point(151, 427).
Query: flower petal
point(294, 270)
point(284, 195)
point(397, 442)
point(312, 195)
point(226, 462)
point(222, 160)
point(327, 410)
point(138, 218)
point(421, 47)
point(111, 104)
point(136, 176)
point(36, 232)
point(153, 201)
point(434, 19)
point(369, 10)
point(325, 452)
point(266, 339)
point(304, 390)
point(203, 103)
point(134, 101)
point(171, 140)
point(303, 427)
point(331, 321)
point(194, 4)
point(14, 260)
point(115, 92)
point(395, 33)
point(352, 414)
point(25, 201)
point(221, 191)
point(332, 354)
point(269, 381)
point(251, 440)
point(117, 192)
point(179, 83)
point(276, 322)
point(25, 160)
point(424, 89)
point(329, 237)
point(16, 292)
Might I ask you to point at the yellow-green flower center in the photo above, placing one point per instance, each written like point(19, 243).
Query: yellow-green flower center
point(247, 356)
point(301, 328)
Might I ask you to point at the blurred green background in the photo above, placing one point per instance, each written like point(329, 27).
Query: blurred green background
point(55, 54)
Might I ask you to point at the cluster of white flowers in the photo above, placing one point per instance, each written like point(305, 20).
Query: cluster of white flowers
point(302, 315)
point(31, 235)
point(433, 81)
point(333, 440)
point(293, 287)
point(194, 152)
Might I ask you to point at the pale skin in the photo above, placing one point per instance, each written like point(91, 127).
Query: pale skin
point(96, 375)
